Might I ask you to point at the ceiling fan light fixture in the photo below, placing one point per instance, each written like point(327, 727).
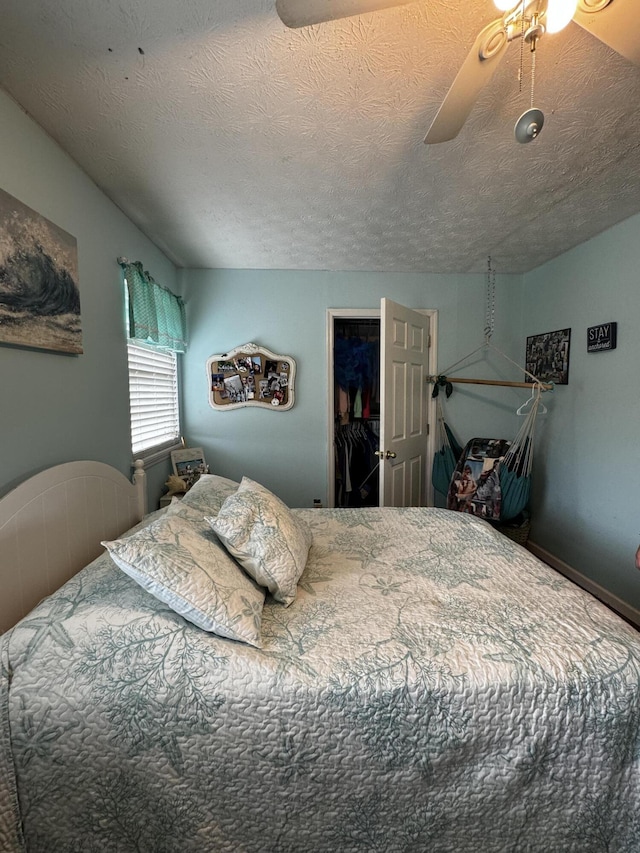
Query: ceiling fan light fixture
point(504, 5)
point(529, 125)
point(559, 13)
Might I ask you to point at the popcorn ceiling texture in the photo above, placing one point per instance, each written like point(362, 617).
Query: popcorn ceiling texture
point(234, 142)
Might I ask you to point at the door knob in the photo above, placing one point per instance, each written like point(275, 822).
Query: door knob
point(385, 454)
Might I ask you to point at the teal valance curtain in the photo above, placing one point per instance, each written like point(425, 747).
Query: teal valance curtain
point(156, 315)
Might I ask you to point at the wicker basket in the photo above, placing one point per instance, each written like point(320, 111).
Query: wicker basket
point(517, 532)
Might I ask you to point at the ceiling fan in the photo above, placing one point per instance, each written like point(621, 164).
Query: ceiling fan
point(611, 21)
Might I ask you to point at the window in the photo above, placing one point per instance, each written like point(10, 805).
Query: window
point(153, 398)
point(156, 333)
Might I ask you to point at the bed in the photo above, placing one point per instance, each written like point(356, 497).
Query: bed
point(432, 686)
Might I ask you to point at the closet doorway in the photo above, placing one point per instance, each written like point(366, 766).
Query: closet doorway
point(380, 444)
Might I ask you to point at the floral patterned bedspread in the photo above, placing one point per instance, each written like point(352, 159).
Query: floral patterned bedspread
point(434, 688)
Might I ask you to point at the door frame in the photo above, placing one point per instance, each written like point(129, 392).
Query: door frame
point(373, 313)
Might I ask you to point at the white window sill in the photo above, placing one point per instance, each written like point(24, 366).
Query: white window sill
point(152, 457)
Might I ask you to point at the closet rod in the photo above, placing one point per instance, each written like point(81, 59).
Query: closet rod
point(546, 386)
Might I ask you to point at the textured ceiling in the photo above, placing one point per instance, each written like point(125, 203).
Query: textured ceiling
point(235, 142)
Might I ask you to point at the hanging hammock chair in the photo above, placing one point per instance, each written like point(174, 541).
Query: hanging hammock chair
point(490, 477)
point(446, 457)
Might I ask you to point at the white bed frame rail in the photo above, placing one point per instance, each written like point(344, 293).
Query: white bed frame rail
point(52, 524)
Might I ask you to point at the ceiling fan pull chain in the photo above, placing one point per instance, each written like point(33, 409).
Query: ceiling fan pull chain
point(530, 122)
point(521, 69)
point(533, 74)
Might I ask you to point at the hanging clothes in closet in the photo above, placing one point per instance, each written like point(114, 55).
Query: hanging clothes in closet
point(357, 482)
point(357, 408)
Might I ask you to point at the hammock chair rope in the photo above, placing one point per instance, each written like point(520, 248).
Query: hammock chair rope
point(444, 377)
point(490, 311)
point(490, 320)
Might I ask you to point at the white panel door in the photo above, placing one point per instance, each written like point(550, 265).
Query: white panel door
point(404, 357)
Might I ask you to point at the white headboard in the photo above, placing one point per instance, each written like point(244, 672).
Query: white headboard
point(52, 524)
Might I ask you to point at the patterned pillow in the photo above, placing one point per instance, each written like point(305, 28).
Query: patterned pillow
point(208, 493)
point(183, 564)
point(265, 537)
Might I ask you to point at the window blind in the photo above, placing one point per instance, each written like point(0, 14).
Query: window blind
point(153, 397)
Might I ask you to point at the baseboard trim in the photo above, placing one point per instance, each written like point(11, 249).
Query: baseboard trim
point(608, 598)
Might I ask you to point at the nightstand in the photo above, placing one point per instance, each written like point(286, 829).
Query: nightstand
point(165, 500)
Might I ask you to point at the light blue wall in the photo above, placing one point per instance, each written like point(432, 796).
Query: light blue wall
point(57, 408)
point(286, 312)
point(586, 507)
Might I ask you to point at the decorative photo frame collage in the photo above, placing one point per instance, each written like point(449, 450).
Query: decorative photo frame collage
point(547, 356)
point(251, 375)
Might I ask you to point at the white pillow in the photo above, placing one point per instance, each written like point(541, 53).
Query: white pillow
point(208, 493)
point(265, 537)
point(183, 564)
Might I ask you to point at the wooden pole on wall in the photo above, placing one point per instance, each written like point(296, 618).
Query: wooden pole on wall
point(546, 386)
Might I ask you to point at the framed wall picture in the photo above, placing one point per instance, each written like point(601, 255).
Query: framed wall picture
point(250, 375)
point(548, 356)
point(39, 295)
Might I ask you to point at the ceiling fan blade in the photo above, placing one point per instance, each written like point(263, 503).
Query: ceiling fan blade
point(616, 23)
point(303, 13)
point(476, 71)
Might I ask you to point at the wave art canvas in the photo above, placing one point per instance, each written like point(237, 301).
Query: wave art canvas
point(39, 295)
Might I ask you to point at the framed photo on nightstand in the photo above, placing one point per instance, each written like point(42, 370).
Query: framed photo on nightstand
point(188, 463)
